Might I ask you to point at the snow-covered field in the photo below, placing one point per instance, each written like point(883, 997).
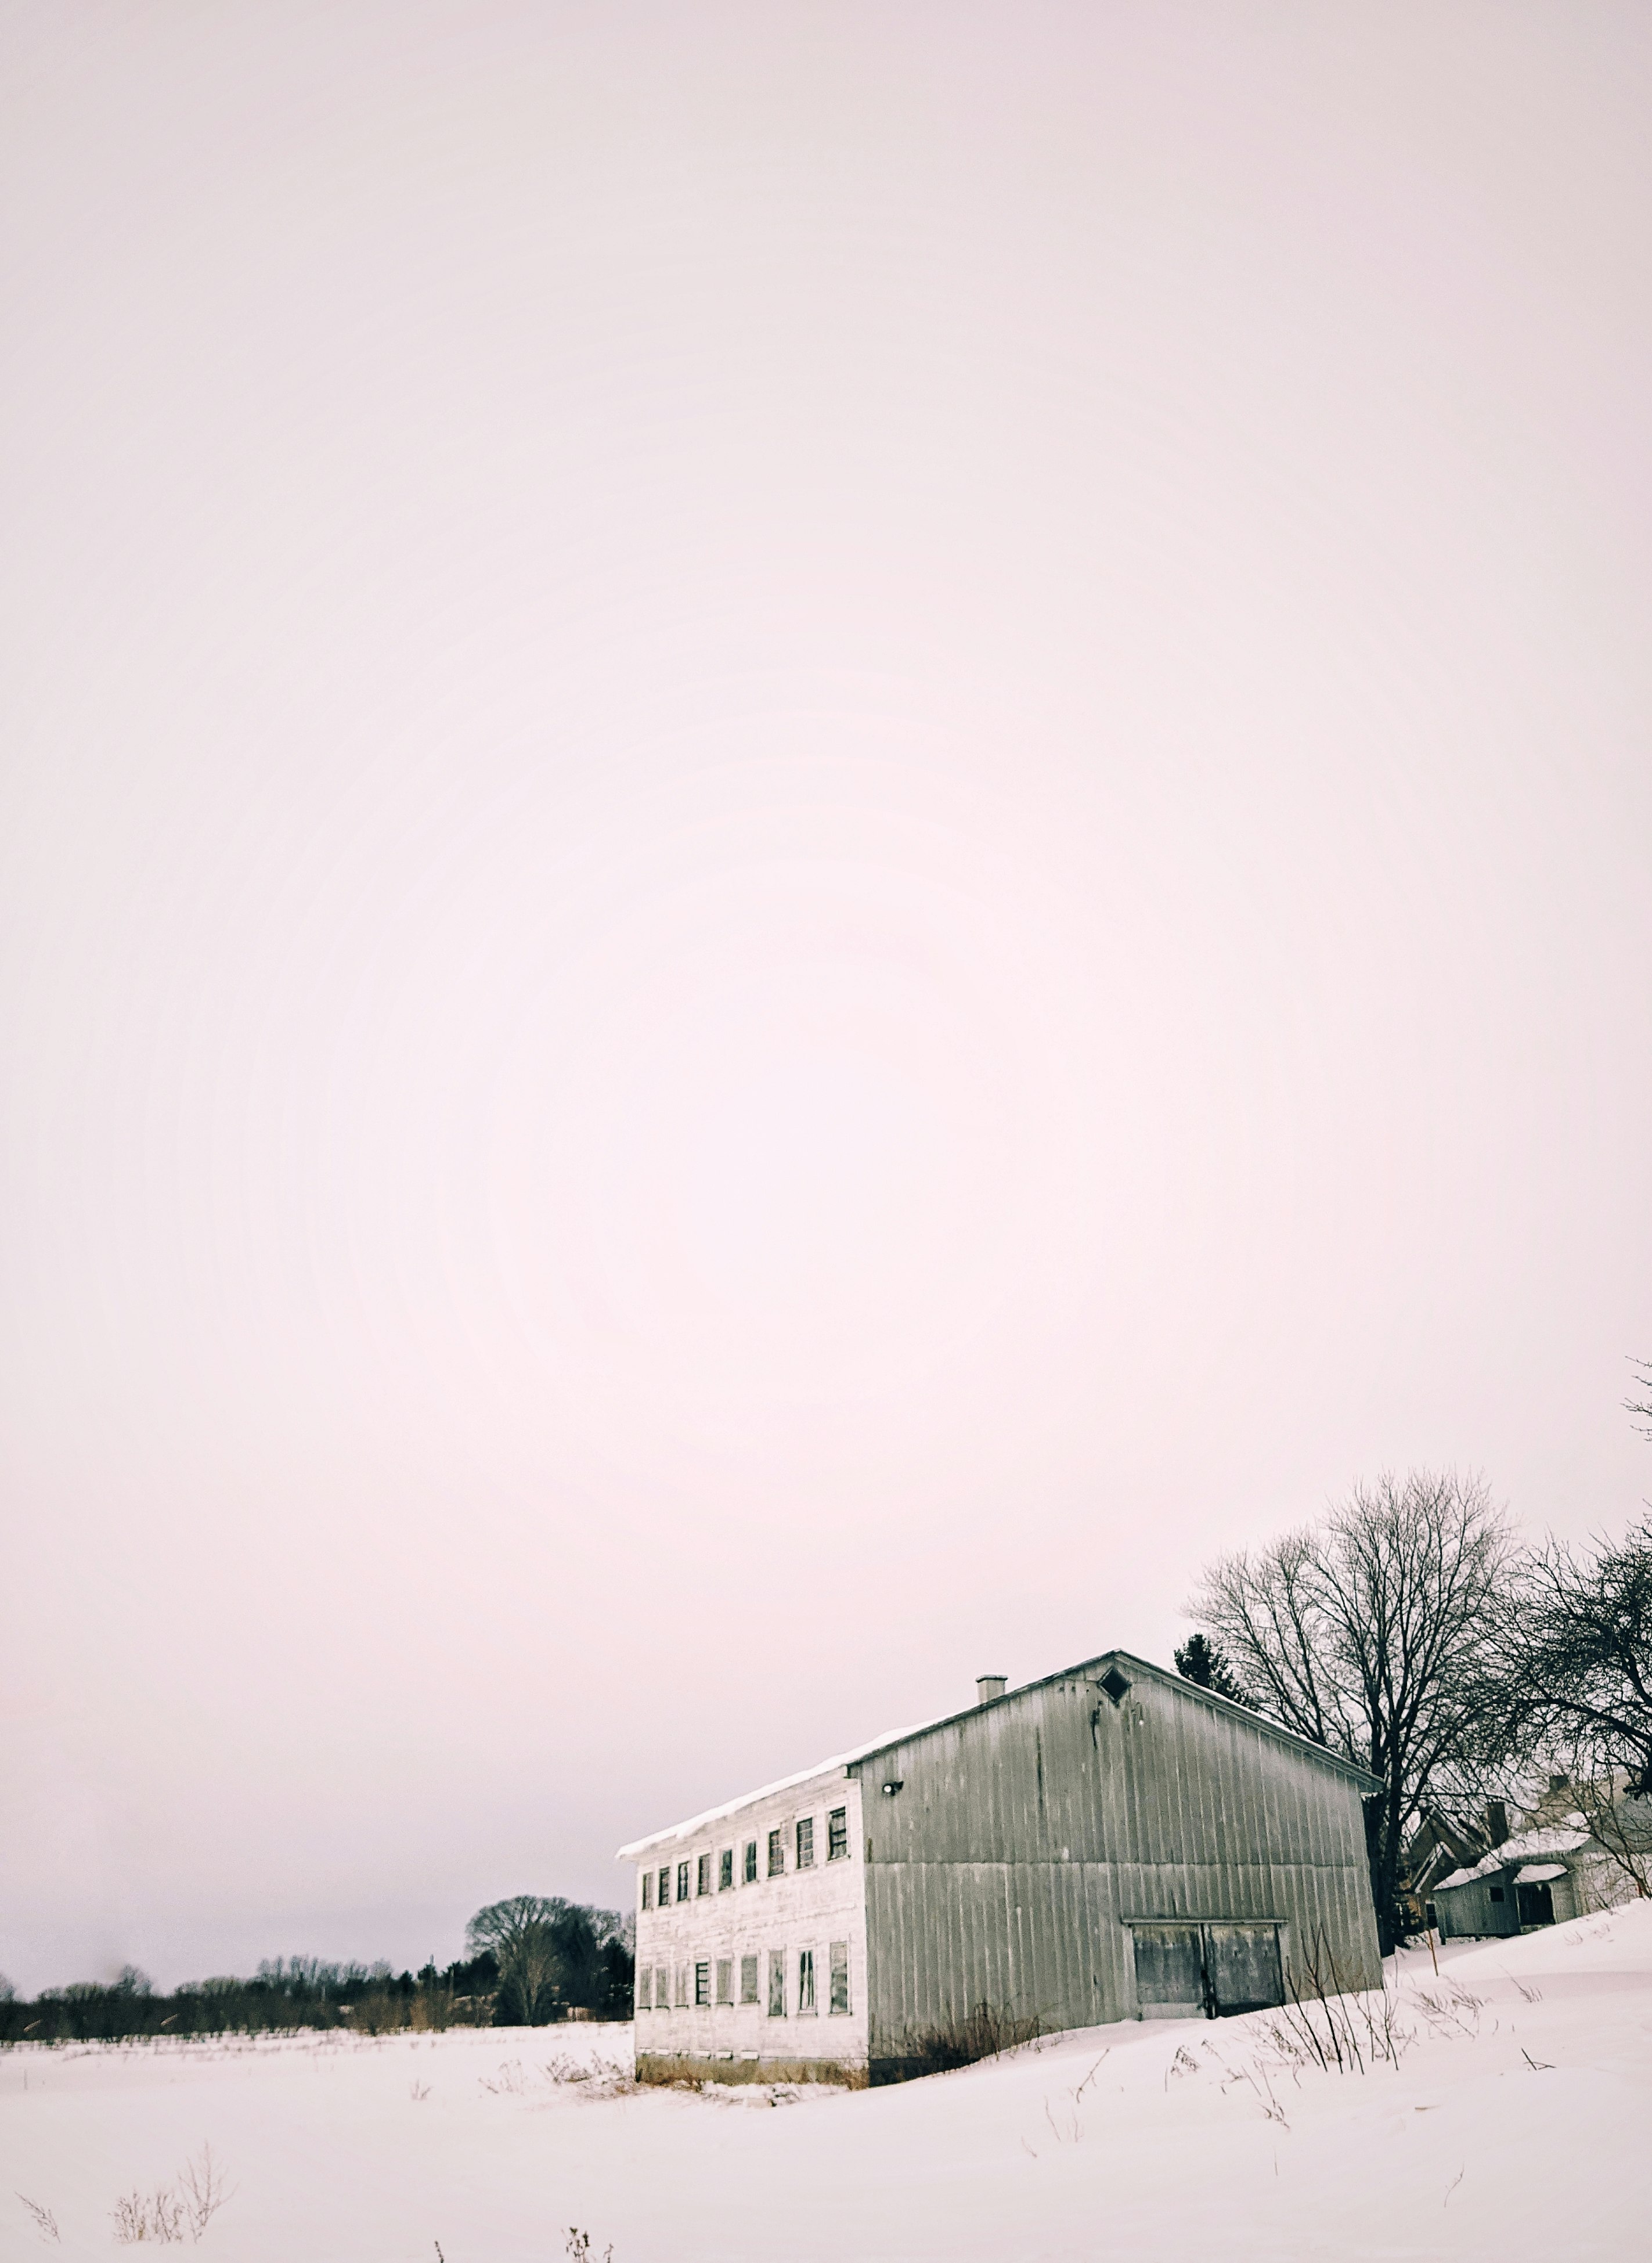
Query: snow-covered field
point(1516, 2123)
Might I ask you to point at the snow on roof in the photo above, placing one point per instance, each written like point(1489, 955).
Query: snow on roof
point(834, 1767)
point(1525, 1846)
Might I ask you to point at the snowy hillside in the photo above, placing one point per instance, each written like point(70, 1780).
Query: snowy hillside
point(1514, 2125)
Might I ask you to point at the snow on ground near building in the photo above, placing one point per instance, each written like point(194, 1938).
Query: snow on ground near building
point(1514, 2126)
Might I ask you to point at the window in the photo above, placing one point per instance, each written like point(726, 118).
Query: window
point(645, 1988)
point(1496, 1893)
point(683, 1882)
point(838, 1835)
point(725, 1869)
point(726, 1980)
point(748, 1979)
point(776, 1853)
point(665, 1889)
point(702, 1877)
point(840, 1954)
point(662, 1989)
point(806, 1980)
point(702, 1987)
point(751, 1861)
point(682, 1987)
point(805, 1843)
point(648, 1888)
point(776, 1983)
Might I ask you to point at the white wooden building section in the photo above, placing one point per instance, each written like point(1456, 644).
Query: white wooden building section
point(700, 1949)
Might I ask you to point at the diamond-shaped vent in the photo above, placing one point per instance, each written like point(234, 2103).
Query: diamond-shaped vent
point(1115, 1685)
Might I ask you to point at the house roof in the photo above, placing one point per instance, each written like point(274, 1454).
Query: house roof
point(1525, 1846)
point(844, 1763)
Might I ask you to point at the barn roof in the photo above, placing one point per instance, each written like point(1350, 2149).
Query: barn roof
point(843, 1763)
point(1092, 1668)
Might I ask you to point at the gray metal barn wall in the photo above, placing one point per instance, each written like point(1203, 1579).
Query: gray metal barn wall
point(1024, 1831)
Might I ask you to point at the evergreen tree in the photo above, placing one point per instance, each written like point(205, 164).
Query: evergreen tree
point(1199, 1661)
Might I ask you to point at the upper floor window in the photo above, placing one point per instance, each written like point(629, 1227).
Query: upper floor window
point(806, 1980)
point(703, 1880)
point(751, 1861)
point(776, 1853)
point(665, 1888)
point(725, 1869)
point(838, 1835)
point(648, 1888)
point(805, 1843)
point(683, 1882)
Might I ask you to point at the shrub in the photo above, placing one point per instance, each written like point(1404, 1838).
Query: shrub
point(981, 2033)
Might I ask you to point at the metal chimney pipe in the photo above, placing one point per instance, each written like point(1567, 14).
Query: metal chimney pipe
point(987, 1686)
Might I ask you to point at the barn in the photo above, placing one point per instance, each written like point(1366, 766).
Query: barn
point(1110, 1842)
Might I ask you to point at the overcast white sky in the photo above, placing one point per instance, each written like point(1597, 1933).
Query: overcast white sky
point(822, 830)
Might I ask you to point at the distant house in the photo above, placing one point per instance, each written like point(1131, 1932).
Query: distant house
point(1442, 1845)
point(1110, 1842)
point(1536, 1879)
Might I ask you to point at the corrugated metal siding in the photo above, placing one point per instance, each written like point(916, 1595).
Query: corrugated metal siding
point(1023, 1835)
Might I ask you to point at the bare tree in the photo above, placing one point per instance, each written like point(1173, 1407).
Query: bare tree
point(550, 1954)
point(1643, 1385)
point(521, 1933)
point(1579, 1650)
point(1577, 1634)
point(1620, 1823)
point(1373, 1633)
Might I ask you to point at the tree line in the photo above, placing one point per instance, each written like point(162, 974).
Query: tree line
point(528, 1962)
point(1411, 1630)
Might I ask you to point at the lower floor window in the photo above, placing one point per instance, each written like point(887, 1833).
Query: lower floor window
point(840, 1976)
point(748, 1979)
point(776, 1983)
point(806, 1980)
point(683, 1986)
point(645, 1988)
point(662, 1988)
point(726, 1980)
point(702, 1986)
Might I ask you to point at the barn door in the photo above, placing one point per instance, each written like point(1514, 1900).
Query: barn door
point(1242, 1963)
point(1183, 1970)
point(1170, 1972)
